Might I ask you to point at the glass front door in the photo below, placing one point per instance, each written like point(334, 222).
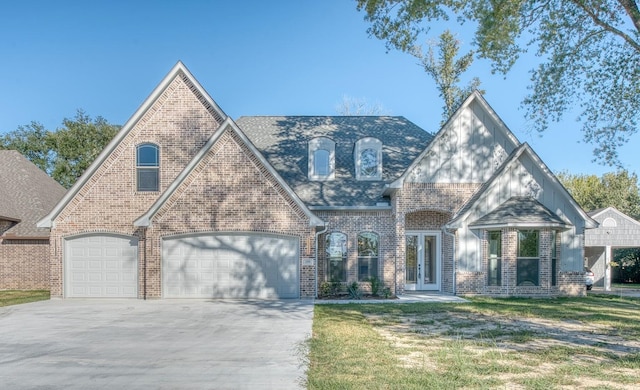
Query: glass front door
point(422, 261)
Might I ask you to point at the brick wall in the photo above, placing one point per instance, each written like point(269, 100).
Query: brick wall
point(24, 265)
point(352, 223)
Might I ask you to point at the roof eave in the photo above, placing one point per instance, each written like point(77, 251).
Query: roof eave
point(527, 225)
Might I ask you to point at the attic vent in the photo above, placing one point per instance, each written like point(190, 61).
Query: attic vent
point(609, 223)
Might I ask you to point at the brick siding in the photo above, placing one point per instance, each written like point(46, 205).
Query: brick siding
point(24, 265)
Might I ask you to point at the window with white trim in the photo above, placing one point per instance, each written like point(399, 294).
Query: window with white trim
point(528, 261)
point(368, 159)
point(494, 264)
point(147, 167)
point(367, 256)
point(336, 257)
point(322, 152)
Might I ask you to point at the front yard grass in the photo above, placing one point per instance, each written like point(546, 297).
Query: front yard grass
point(16, 297)
point(591, 342)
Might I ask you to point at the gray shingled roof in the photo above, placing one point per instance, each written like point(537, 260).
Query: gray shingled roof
point(520, 211)
point(26, 194)
point(283, 140)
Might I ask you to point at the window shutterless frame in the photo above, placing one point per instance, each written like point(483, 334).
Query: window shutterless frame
point(147, 167)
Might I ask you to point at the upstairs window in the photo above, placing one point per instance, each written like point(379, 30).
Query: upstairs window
point(148, 167)
point(322, 159)
point(368, 159)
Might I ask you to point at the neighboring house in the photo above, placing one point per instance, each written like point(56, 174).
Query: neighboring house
point(26, 195)
point(185, 202)
point(616, 230)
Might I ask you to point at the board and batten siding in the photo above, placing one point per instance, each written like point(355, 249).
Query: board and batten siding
point(469, 149)
point(524, 178)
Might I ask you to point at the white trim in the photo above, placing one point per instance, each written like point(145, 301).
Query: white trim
point(362, 145)
point(179, 67)
point(616, 211)
point(439, 259)
point(316, 144)
point(349, 208)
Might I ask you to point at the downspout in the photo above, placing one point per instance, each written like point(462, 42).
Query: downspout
point(324, 230)
point(143, 238)
point(453, 254)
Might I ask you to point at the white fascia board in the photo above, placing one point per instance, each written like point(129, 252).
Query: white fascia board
point(47, 221)
point(616, 211)
point(349, 208)
point(526, 225)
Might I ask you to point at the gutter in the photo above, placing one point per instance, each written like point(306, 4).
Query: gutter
point(318, 233)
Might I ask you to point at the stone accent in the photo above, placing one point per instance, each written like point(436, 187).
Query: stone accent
point(24, 264)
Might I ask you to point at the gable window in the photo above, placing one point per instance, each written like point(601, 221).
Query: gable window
point(528, 262)
point(148, 167)
point(368, 159)
point(494, 270)
point(367, 256)
point(336, 257)
point(322, 159)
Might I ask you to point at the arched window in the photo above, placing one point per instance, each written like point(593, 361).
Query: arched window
point(336, 257)
point(368, 159)
point(148, 167)
point(322, 159)
point(367, 256)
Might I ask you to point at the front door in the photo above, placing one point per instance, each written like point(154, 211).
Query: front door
point(423, 263)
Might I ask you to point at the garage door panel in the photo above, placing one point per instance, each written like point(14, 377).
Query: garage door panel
point(101, 266)
point(231, 266)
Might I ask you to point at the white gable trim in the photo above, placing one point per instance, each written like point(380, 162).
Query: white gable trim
point(474, 96)
point(616, 211)
point(179, 67)
point(145, 219)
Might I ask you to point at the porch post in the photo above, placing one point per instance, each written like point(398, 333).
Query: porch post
point(607, 268)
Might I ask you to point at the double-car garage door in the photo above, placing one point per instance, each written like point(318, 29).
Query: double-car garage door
point(242, 265)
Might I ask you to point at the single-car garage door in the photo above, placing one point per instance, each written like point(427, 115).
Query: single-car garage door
point(245, 265)
point(101, 266)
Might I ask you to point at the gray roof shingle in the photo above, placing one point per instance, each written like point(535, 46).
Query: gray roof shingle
point(26, 194)
point(283, 140)
point(520, 211)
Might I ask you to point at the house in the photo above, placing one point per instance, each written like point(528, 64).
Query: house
point(186, 202)
point(26, 195)
point(615, 230)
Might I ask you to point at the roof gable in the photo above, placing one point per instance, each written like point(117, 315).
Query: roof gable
point(522, 174)
point(145, 111)
point(468, 148)
point(601, 214)
point(27, 194)
point(229, 125)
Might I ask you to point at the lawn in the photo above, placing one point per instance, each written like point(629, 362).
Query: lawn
point(564, 343)
point(16, 297)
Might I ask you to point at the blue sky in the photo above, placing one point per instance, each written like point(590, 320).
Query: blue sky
point(280, 57)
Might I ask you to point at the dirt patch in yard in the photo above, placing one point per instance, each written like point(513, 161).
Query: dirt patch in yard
point(521, 352)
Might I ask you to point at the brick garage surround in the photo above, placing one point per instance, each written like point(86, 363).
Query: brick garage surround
point(179, 122)
point(229, 191)
point(24, 265)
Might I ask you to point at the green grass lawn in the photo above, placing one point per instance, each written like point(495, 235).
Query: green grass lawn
point(16, 297)
point(591, 342)
point(626, 285)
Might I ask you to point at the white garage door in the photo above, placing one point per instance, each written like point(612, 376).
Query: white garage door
point(101, 266)
point(231, 266)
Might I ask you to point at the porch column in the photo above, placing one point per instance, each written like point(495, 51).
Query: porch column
point(607, 268)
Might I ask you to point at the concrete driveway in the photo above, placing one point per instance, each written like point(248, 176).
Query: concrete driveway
point(161, 344)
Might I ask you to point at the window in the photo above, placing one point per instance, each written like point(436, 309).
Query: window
point(367, 256)
point(554, 258)
point(322, 159)
point(148, 167)
point(336, 254)
point(494, 271)
point(321, 162)
point(368, 159)
point(528, 265)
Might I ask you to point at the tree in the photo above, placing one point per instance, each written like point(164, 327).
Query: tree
point(350, 106)
point(66, 153)
point(619, 189)
point(589, 53)
point(446, 71)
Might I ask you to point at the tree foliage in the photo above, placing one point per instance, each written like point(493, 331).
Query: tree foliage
point(446, 69)
point(68, 151)
point(619, 189)
point(589, 53)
